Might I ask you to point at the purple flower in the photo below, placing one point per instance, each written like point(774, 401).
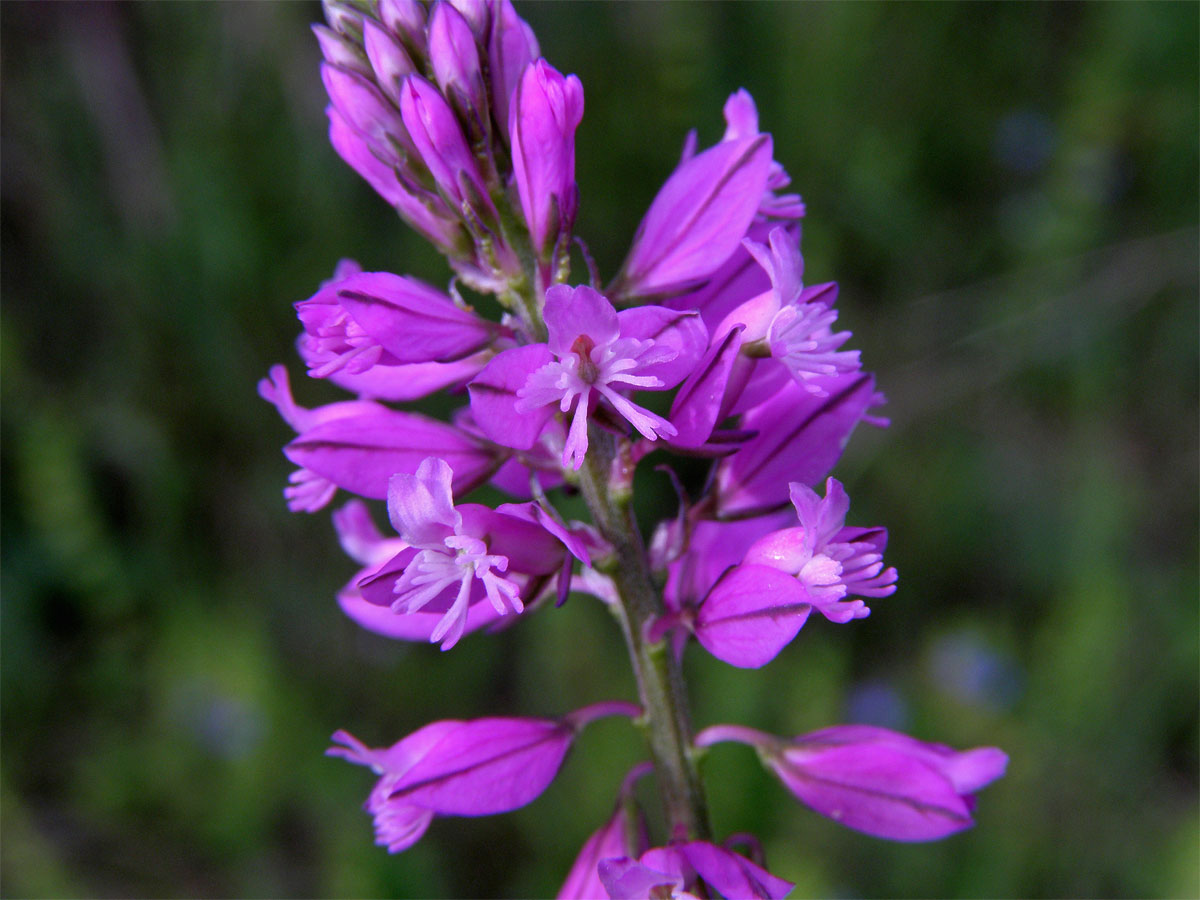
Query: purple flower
point(511, 47)
point(376, 317)
point(546, 110)
point(457, 557)
point(455, 60)
point(784, 329)
point(874, 780)
point(831, 561)
point(697, 219)
point(439, 141)
point(798, 331)
point(454, 768)
point(760, 605)
point(677, 869)
point(358, 445)
point(339, 349)
point(363, 543)
point(592, 354)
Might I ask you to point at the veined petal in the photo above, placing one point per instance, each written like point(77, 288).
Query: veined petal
point(698, 218)
point(678, 339)
point(361, 452)
point(494, 397)
point(750, 615)
point(799, 438)
point(574, 311)
point(697, 407)
point(878, 791)
point(414, 322)
point(421, 505)
point(486, 766)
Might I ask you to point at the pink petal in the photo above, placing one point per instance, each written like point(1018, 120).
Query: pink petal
point(680, 338)
point(494, 397)
point(574, 311)
point(751, 615)
point(698, 217)
point(486, 766)
point(361, 452)
point(414, 322)
point(878, 790)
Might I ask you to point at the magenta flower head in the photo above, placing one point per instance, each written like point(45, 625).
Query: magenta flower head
point(546, 111)
point(453, 768)
point(759, 606)
point(675, 871)
point(376, 317)
point(592, 355)
point(457, 556)
point(874, 780)
point(446, 108)
point(363, 543)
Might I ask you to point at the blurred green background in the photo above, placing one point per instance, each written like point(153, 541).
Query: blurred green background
point(1007, 195)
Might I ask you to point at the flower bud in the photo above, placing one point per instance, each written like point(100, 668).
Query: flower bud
point(546, 111)
point(454, 55)
point(343, 18)
point(475, 12)
point(439, 141)
point(511, 47)
point(366, 110)
point(390, 61)
point(405, 19)
point(339, 51)
point(428, 216)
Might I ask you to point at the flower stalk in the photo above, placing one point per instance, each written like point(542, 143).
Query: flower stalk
point(661, 688)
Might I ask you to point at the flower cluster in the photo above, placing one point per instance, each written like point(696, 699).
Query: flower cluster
point(707, 343)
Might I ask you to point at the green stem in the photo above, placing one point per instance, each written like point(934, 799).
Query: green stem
point(659, 677)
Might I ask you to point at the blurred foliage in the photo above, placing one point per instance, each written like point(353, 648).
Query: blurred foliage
point(1007, 194)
